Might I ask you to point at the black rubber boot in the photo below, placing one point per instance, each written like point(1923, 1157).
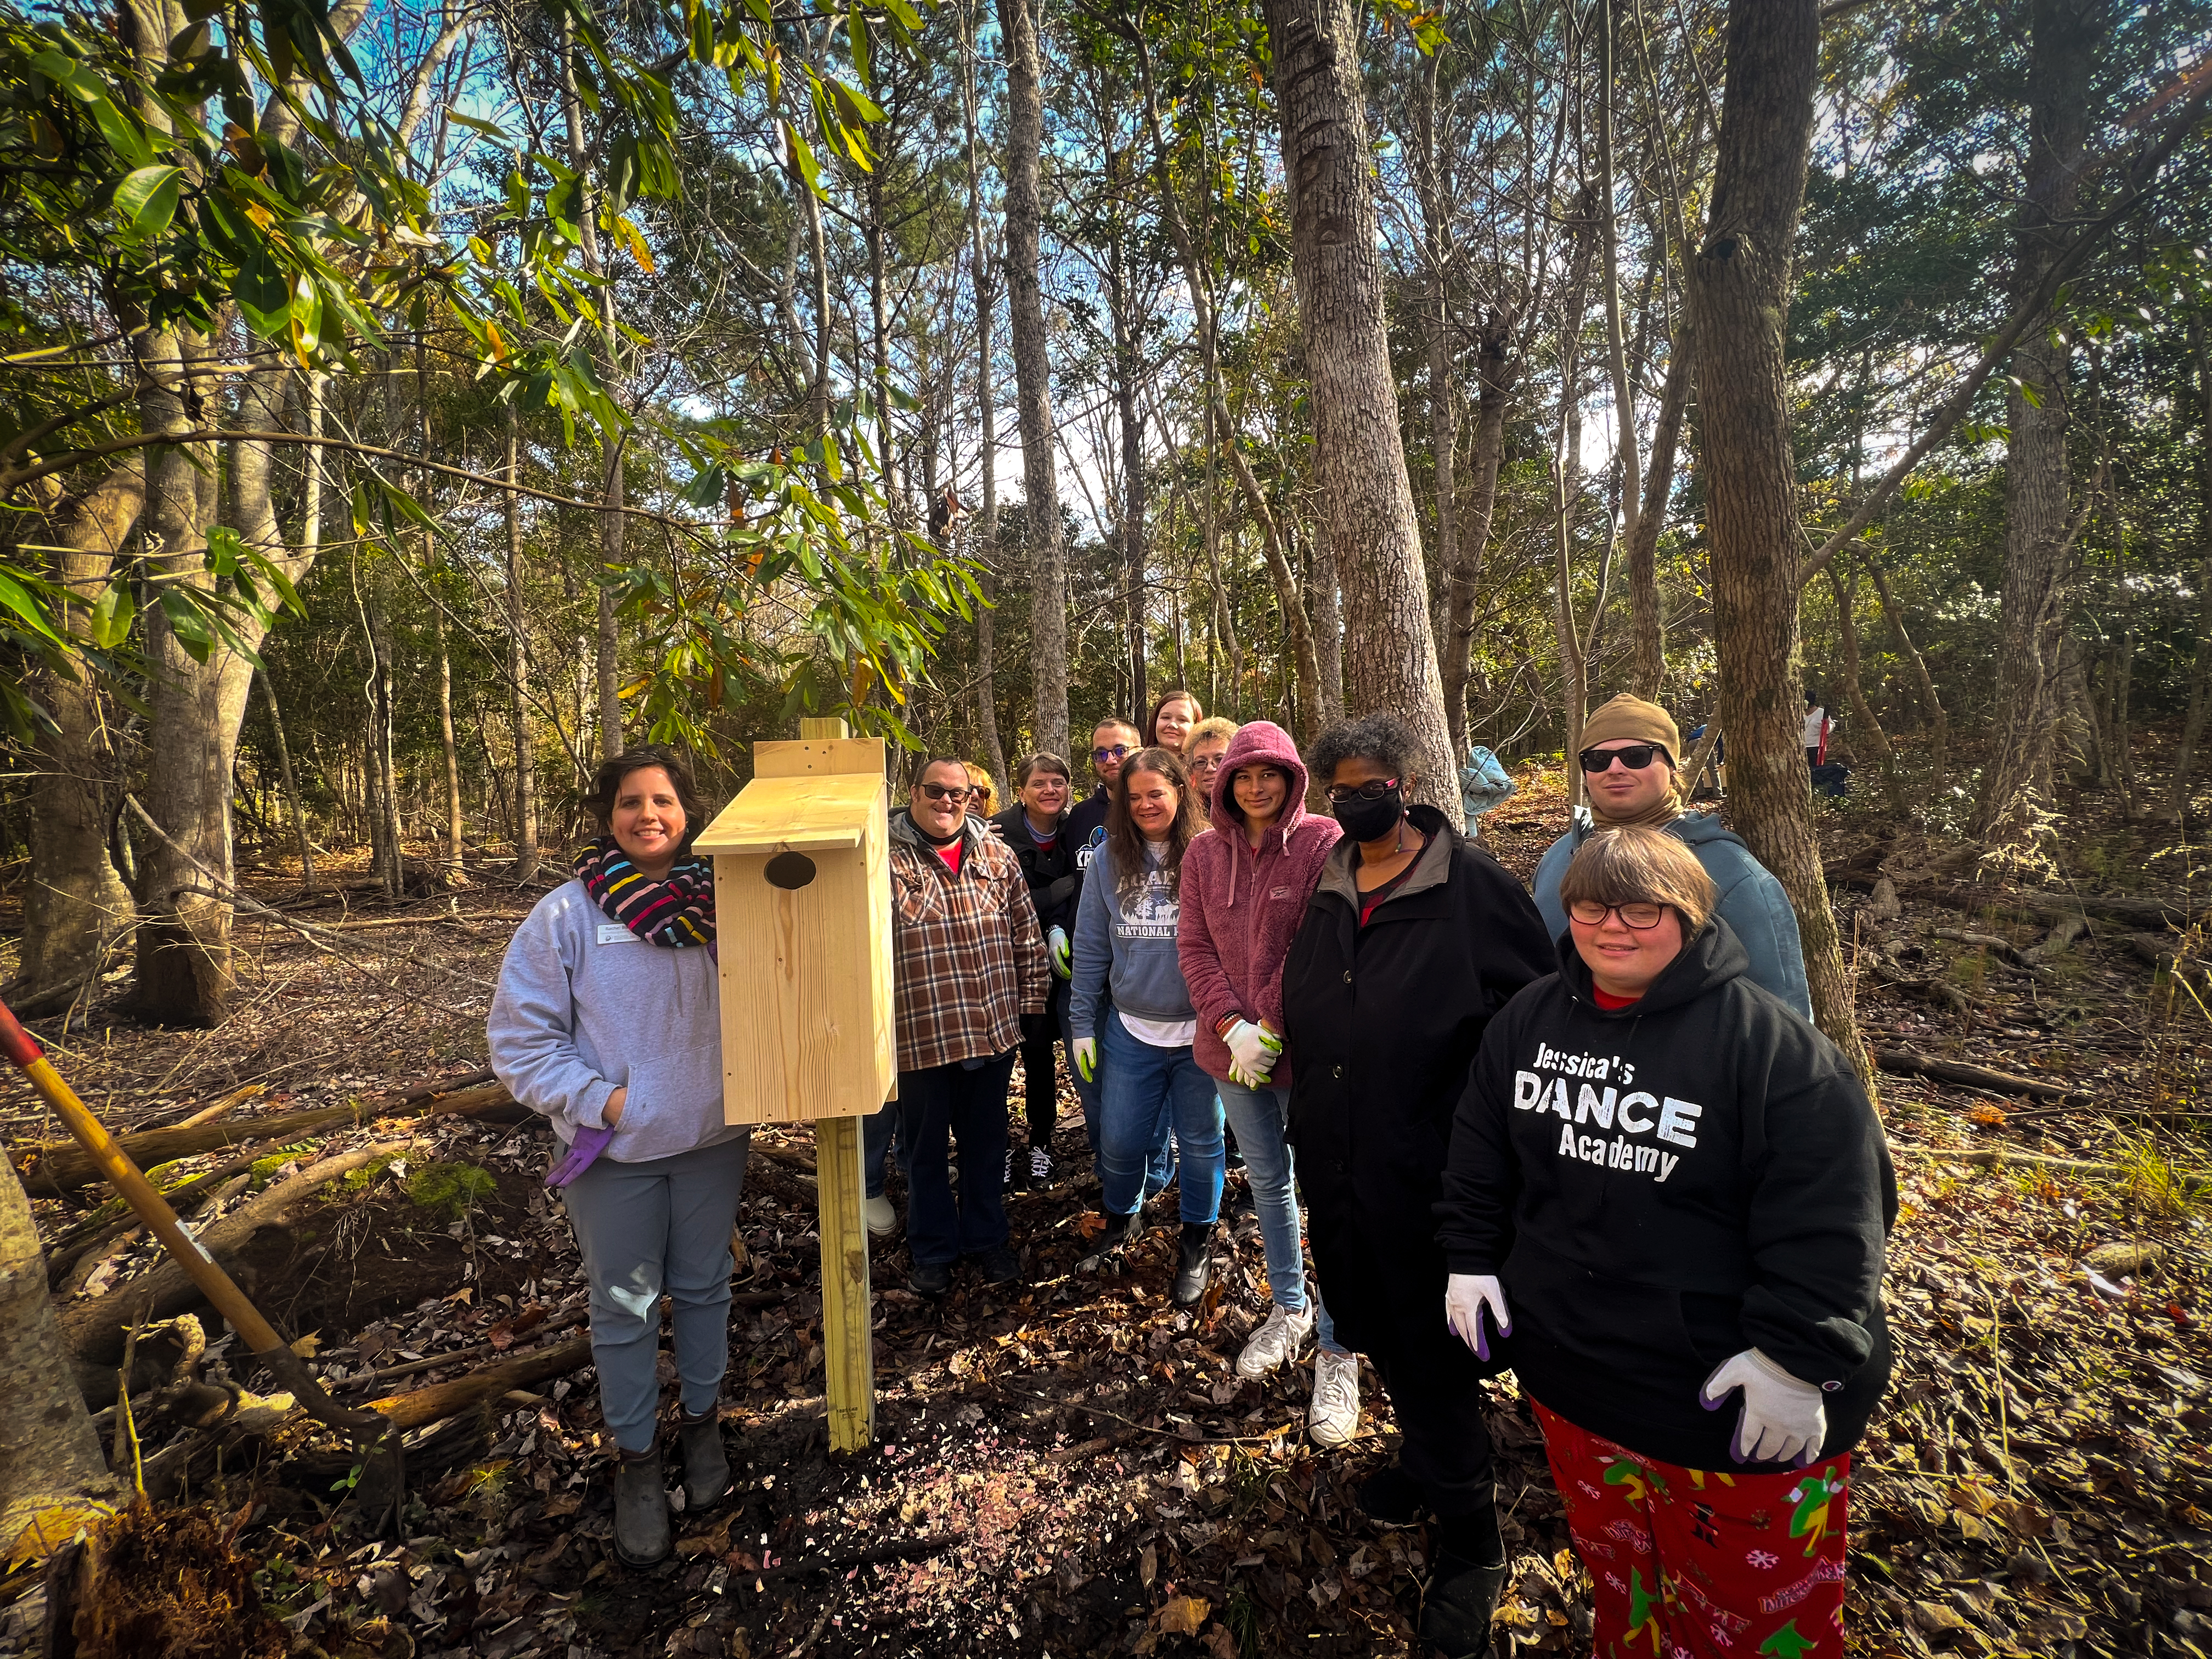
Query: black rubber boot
point(642, 1528)
point(1390, 1497)
point(706, 1460)
point(1196, 1266)
point(1470, 1575)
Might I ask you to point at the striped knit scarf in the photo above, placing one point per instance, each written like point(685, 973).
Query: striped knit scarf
point(675, 911)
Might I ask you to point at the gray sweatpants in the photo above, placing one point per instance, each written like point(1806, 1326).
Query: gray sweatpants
point(662, 1225)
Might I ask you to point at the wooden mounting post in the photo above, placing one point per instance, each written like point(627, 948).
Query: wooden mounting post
point(849, 1349)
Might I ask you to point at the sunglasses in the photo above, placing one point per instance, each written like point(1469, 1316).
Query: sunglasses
point(1641, 918)
point(1634, 756)
point(958, 792)
point(1119, 751)
point(978, 792)
point(1373, 789)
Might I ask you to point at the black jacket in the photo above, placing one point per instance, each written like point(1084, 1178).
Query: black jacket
point(1663, 1186)
point(1382, 1024)
point(1053, 884)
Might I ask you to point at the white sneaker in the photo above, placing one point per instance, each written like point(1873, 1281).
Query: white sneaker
point(881, 1219)
point(1040, 1167)
point(1332, 1415)
point(1280, 1339)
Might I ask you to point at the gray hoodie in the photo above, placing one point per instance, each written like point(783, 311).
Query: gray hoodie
point(1752, 903)
point(585, 1006)
point(1132, 949)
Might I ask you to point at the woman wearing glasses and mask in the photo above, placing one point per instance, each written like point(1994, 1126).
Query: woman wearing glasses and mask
point(1413, 940)
point(1669, 1196)
point(1629, 753)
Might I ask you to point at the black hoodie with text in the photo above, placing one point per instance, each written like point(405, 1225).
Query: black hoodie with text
point(1663, 1186)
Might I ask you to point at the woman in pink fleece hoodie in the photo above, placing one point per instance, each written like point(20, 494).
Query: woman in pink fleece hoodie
point(1245, 883)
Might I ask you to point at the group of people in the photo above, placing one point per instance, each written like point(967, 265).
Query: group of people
point(1589, 1135)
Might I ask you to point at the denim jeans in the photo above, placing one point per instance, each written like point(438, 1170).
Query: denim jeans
point(1257, 1117)
point(1147, 1092)
point(661, 1225)
point(1088, 1093)
point(971, 1107)
point(877, 1134)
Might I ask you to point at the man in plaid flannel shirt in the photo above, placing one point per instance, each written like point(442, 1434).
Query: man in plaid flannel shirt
point(969, 968)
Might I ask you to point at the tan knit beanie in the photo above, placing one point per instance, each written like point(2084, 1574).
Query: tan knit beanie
point(1627, 718)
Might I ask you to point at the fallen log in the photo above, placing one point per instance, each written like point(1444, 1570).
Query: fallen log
point(1906, 1063)
point(59, 1167)
point(1969, 896)
point(443, 1400)
point(2060, 939)
point(1992, 1157)
point(95, 1329)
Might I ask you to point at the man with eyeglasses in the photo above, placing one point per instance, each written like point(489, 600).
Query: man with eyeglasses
point(1629, 754)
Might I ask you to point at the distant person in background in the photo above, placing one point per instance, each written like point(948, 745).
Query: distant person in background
point(1171, 719)
point(1035, 828)
point(1816, 731)
point(1125, 940)
point(608, 1020)
point(967, 964)
point(1202, 749)
point(982, 792)
point(1629, 754)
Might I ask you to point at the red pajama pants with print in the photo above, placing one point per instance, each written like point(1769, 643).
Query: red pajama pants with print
point(1697, 1564)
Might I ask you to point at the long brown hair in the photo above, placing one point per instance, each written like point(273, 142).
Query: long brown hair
point(1125, 844)
point(1173, 694)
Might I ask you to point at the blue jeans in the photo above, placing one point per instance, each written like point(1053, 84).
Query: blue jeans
point(971, 1107)
point(1147, 1092)
point(877, 1134)
point(1256, 1116)
point(1088, 1093)
point(645, 1228)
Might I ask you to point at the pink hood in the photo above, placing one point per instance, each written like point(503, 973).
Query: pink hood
point(1242, 907)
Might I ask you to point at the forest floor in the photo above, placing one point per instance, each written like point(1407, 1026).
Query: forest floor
point(1070, 1466)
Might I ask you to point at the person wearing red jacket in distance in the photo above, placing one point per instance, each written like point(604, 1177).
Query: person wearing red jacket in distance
point(1245, 883)
point(1666, 1207)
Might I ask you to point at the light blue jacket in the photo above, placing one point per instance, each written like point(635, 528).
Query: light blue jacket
point(585, 1006)
point(1752, 903)
point(1132, 951)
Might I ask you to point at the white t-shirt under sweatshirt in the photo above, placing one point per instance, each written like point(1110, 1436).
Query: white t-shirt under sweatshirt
point(1157, 903)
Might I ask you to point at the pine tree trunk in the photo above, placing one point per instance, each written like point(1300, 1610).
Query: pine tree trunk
point(75, 904)
point(524, 731)
point(2200, 669)
point(1862, 714)
point(2062, 38)
point(1739, 292)
point(1648, 667)
point(1500, 368)
point(1359, 459)
point(987, 400)
point(1033, 376)
point(291, 786)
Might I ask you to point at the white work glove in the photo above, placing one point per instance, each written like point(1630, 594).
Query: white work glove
point(1086, 1059)
point(1466, 1297)
point(1055, 944)
point(1783, 1418)
point(1252, 1053)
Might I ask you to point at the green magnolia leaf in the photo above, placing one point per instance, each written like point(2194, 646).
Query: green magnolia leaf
point(189, 625)
point(146, 200)
point(264, 293)
point(16, 597)
point(489, 129)
point(112, 613)
point(809, 167)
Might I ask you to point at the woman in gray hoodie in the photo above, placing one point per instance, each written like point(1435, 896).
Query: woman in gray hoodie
point(607, 1019)
point(1149, 1080)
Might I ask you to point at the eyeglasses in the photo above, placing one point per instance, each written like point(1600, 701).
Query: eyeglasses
point(958, 792)
point(1119, 751)
point(1642, 918)
point(1205, 763)
point(1634, 756)
point(978, 792)
point(1373, 789)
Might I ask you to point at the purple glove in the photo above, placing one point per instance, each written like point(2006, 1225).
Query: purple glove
point(589, 1143)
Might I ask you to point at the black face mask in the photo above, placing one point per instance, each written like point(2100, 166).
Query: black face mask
point(1370, 820)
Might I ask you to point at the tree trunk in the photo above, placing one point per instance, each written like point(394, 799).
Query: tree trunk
point(291, 786)
point(2063, 35)
point(1739, 293)
point(1648, 667)
point(518, 671)
point(1032, 376)
point(1566, 494)
point(986, 400)
point(1939, 722)
point(1359, 459)
point(1624, 397)
point(1500, 368)
point(2200, 669)
point(49, 1453)
point(75, 904)
point(1433, 191)
point(1122, 301)
point(1877, 740)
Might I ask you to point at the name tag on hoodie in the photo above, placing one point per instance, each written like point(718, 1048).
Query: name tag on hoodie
point(613, 932)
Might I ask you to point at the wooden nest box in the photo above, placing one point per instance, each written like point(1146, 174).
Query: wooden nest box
point(803, 912)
